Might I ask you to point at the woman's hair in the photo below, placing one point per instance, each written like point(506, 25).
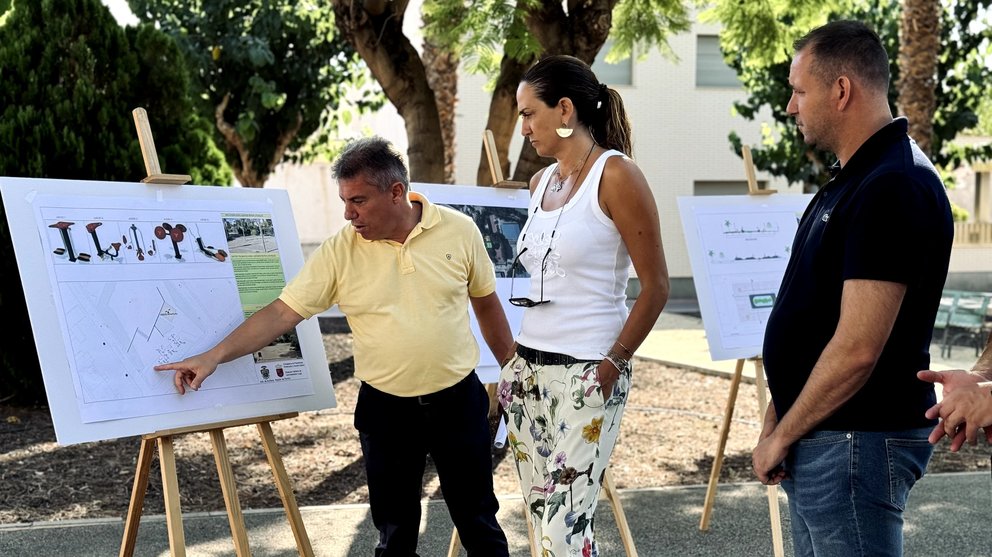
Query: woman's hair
point(597, 107)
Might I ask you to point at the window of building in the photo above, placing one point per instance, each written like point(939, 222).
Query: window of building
point(725, 187)
point(711, 70)
point(620, 73)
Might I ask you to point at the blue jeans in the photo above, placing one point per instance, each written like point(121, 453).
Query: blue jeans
point(848, 489)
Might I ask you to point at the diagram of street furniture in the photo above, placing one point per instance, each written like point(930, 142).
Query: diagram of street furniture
point(175, 284)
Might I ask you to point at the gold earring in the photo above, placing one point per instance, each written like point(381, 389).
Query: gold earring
point(564, 131)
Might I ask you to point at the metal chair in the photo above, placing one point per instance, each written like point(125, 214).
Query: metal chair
point(968, 320)
point(948, 299)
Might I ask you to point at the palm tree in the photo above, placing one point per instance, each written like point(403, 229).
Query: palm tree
point(919, 46)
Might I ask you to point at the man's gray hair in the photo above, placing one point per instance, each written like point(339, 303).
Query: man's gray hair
point(373, 158)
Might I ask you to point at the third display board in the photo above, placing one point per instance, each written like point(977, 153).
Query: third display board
point(739, 247)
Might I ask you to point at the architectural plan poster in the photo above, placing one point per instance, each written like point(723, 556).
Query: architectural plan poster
point(500, 214)
point(127, 276)
point(738, 248)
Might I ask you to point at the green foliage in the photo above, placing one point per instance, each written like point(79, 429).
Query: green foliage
point(964, 76)
point(183, 139)
point(964, 73)
point(483, 31)
point(639, 25)
point(984, 112)
point(71, 77)
point(290, 77)
point(763, 31)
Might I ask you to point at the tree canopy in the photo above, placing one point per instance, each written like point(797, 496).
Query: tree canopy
point(499, 38)
point(503, 38)
point(273, 75)
point(961, 78)
point(71, 77)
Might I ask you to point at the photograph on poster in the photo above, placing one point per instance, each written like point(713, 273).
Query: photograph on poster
point(500, 227)
point(250, 235)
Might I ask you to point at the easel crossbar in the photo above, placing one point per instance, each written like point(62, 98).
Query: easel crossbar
point(170, 486)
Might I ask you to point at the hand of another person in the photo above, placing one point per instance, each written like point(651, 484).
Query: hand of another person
point(966, 409)
point(950, 381)
point(191, 372)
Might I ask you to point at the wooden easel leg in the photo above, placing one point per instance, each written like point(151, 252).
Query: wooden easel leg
point(619, 515)
point(170, 491)
point(285, 489)
point(456, 544)
point(530, 531)
point(230, 490)
point(728, 414)
point(773, 512)
point(138, 491)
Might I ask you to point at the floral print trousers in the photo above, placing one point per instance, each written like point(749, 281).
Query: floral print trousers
point(561, 433)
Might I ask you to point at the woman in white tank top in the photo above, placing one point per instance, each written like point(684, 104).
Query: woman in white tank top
point(592, 215)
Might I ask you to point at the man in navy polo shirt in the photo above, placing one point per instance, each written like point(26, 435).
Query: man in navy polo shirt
point(846, 435)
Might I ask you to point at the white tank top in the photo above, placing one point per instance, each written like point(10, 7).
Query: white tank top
point(585, 273)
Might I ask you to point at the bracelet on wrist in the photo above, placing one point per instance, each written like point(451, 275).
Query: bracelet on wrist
point(627, 351)
point(622, 364)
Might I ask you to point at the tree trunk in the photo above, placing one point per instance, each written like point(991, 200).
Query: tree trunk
point(581, 33)
point(503, 103)
point(442, 77)
point(376, 32)
point(919, 47)
point(249, 172)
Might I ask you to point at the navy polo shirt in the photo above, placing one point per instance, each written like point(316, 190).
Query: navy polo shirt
point(885, 216)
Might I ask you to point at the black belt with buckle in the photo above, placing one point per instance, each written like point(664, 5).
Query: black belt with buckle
point(542, 358)
point(447, 392)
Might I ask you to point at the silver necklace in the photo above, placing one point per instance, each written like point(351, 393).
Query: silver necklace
point(560, 180)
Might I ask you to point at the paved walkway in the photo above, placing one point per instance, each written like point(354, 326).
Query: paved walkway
point(948, 514)
point(680, 340)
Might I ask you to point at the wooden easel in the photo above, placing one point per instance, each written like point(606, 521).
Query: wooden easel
point(164, 439)
point(609, 491)
point(759, 379)
point(495, 170)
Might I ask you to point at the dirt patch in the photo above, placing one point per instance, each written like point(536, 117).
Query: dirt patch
point(669, 437)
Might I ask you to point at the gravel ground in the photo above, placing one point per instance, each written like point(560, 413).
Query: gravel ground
point(669, 436)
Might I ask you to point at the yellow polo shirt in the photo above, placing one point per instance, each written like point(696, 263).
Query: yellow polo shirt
point(406, 304)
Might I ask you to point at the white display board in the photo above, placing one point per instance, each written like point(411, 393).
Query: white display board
point(500, 214)
point(738, 248)
point(119, 277)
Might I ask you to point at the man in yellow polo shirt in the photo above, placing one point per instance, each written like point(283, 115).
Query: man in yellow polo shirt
point(403, 274)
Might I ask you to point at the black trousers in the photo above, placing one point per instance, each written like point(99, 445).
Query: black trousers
point(397, 434)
